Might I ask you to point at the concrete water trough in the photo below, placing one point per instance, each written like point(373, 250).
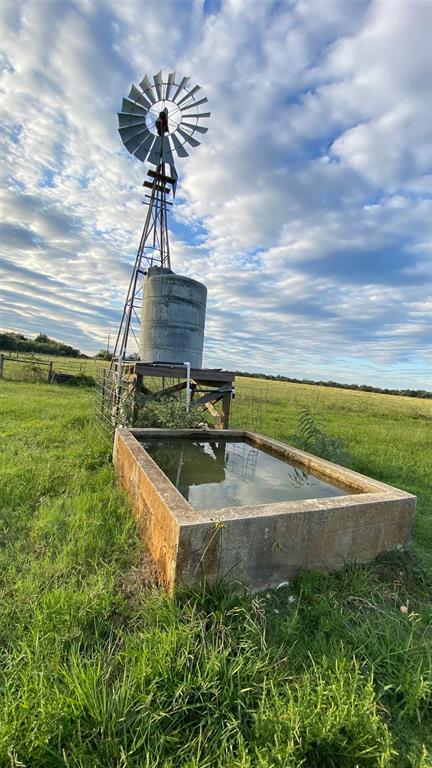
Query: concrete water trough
point(245, 508)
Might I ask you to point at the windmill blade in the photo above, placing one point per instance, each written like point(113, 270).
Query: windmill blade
point(170, 83)
point(182, 85)
point(147, 87)
point(195, 127)
point(178, 146)
point(197, 115)
point(167, 155)
point(131, 108)
point(136, 95)
point(155, 154)
point(194, 104)
point(135, 142)
point(188, 138)
point(125, 119)
point(133, 130)
point(159, 85)
point(144, 148)
point(190, 94)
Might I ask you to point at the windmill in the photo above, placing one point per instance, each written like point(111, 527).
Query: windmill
point(164, 313)
point(158, 121)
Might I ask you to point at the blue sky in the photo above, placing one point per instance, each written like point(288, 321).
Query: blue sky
point(306, 210)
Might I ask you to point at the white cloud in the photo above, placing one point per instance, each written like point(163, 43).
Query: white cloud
point(308, 203)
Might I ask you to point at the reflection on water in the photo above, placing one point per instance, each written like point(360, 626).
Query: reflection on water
point(214, 474)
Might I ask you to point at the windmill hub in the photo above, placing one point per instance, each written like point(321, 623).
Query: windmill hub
point(173, 114)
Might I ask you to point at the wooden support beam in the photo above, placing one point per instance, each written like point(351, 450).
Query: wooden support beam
point(213, 411)
point(226, 406)
point(167, 391)
point(200, 375)
point(223, 386)
point(210, 397)
point(208, 386)
point(145, 390)
point(27, 360)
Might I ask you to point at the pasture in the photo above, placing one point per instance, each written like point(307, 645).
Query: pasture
point(98, 668)
point(26, 366)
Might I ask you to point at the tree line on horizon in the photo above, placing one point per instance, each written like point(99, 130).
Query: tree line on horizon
point(360, 387)
point(17, 342)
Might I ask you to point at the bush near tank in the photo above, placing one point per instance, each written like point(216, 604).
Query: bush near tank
point(167, 413)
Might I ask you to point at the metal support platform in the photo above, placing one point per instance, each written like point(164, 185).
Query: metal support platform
point(208, 386)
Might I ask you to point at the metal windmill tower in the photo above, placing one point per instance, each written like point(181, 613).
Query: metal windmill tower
point(156, 122)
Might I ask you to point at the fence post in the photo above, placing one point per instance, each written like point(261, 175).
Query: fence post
point(50, 366)
point(103, 392)
point(1, 364)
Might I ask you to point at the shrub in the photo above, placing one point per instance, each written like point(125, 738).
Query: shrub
point(167, 413)
point(310, 436)
point(82, 380)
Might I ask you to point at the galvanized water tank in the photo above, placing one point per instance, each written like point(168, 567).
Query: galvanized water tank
point(172, 318)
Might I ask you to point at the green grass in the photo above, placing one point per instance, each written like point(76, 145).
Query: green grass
point(388, 436)
point(97, 668)
point(25, 366)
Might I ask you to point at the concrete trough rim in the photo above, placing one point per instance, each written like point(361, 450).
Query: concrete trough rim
point(368, 490)
point(281, 508)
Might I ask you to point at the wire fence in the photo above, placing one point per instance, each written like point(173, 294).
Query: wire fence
point(114, 397)
point(21, 366)
point(116, 402)
point(24, 370)
point(248, 409)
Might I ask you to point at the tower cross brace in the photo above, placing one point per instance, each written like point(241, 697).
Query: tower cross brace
point(153, 250)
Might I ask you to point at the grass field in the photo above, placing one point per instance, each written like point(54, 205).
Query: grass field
point(25, 366)
point(99, 669)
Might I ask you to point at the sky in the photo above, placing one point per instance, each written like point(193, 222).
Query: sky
point(307, 209)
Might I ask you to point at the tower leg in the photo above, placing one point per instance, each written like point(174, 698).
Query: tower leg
point(226, 406)
point(153, 251)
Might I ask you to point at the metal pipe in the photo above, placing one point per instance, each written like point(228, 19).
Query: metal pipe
point(188, 386)
point(118, 392)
